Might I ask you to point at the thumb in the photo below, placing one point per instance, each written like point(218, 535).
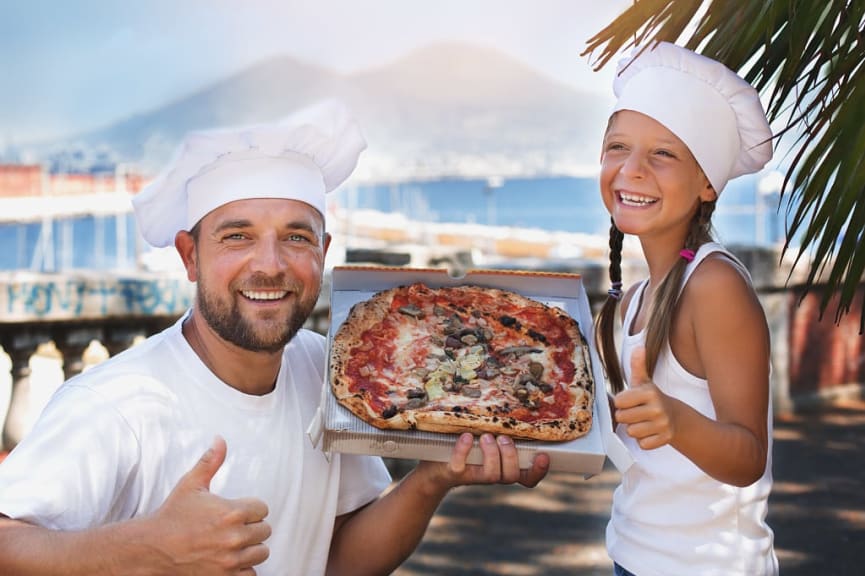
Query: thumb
point(205, 469)
point(639, 372)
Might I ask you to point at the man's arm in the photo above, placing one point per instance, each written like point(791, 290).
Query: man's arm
point(379, 537)
point(193, 532)
point(26, 549)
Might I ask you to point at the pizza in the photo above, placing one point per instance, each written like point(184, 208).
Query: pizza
point(463, 358)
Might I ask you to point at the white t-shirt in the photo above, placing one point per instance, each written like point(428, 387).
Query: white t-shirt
point(669, 517)
point(113, 442)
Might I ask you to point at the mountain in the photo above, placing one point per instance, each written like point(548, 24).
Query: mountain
point(445, 110)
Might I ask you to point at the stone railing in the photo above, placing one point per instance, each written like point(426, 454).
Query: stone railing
point(74, 311)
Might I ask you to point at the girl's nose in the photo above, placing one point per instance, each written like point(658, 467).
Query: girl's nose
point(633, 165)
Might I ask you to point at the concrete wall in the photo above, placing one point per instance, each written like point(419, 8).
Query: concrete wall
point(25, 296)
point(826, 353)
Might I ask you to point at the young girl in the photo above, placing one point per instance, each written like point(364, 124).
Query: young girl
point(695, 413)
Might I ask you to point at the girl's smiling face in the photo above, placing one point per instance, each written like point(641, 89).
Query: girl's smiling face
point(650, 182)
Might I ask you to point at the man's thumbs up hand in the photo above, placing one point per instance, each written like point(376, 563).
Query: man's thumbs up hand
point(643, 408)
point(205, 469)
point(202, 533)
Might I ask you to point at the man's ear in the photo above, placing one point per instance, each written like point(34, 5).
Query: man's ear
point(327, 239)
point(184, 243)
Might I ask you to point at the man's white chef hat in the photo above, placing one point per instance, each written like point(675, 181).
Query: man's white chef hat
point(303, 157)
point(716, 113)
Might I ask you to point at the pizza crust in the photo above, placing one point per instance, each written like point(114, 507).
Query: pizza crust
point(378, 395)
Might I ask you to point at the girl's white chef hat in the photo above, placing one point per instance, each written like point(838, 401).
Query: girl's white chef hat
point(715, 112)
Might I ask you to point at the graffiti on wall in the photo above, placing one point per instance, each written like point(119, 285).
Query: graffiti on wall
point(62, 297)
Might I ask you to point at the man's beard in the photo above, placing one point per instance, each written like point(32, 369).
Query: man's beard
point(226, 320)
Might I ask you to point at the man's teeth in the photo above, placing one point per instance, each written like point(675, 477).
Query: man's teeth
point(632, 200)
point(264, 295)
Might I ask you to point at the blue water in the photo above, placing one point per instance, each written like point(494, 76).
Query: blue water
point(75, 243)
point(562, 204)
point(566, 204)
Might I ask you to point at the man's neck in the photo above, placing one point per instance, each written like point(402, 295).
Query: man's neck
point(249, 372)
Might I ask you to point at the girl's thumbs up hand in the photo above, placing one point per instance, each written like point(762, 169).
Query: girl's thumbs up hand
point(639, 371)
point(646, 412)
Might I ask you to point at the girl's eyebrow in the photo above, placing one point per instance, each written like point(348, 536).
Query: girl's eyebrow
point(662, 141)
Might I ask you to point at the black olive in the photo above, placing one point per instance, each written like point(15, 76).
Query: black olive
point(537, 336)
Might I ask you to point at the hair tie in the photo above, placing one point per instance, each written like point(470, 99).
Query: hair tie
point(687, 254)
point(616, 291)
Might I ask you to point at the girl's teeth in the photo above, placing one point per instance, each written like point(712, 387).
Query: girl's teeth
point(636, 200)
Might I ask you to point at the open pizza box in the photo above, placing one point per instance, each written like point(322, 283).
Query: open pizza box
point(335, 429)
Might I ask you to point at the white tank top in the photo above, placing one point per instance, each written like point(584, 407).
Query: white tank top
point(668, 516)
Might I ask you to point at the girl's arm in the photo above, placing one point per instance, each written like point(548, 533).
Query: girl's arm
point(720, 334)
point(732, 340)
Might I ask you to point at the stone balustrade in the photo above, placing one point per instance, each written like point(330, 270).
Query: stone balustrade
point(75, 310)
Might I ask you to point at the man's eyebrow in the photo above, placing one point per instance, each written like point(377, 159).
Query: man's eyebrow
point(232, 224)
point(243, 223)
point(301, 225)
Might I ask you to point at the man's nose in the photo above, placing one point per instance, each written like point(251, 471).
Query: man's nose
point(267, 255)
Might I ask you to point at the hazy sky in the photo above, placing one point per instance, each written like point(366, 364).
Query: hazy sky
point(68, 66)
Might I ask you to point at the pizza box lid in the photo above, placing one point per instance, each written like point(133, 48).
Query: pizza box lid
point(335, 429)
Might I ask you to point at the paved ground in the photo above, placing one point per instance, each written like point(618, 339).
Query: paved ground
point(817, 511)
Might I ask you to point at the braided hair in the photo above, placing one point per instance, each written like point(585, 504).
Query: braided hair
point(605, 322)
point(663, 303)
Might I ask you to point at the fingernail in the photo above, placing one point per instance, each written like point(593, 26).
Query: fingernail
point(466, 438)
point(505, 440)
point(488, 439)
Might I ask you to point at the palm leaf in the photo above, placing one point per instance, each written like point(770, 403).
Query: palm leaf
point(808, 58)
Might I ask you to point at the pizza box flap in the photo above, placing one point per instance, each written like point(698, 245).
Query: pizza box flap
point(335, 429)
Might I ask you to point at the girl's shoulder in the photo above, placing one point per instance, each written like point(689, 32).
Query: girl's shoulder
point(717, 274)
point(719, 291)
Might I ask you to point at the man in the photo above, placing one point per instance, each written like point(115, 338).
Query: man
point(111, 480)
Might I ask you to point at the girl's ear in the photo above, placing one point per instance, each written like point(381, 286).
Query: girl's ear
point(708, 194)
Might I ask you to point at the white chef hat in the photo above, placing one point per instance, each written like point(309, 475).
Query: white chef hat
point(715, 112)
point(303, 157)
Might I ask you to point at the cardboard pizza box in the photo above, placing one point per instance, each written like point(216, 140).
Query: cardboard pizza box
point(335, 429)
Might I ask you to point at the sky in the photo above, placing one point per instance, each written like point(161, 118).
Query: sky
point(69, 67)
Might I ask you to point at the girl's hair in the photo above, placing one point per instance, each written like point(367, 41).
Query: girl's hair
point(663, 305)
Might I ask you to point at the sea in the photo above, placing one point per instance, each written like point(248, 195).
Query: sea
point(747, 214)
